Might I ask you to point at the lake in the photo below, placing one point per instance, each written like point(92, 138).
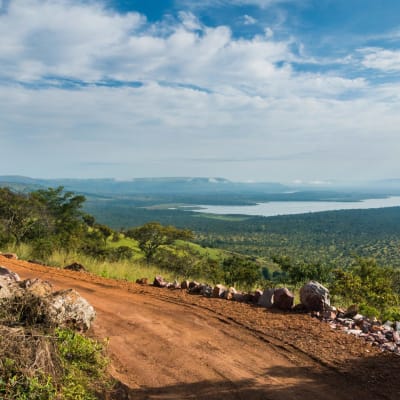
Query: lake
point(274, 208)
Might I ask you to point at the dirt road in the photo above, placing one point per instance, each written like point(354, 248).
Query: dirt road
point(171, 345)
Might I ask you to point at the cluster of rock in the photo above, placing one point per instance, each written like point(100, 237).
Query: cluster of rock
point(313, 296)
point(39, 303)
point(385, 336)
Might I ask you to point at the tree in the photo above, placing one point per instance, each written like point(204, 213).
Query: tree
point(61, 217)
point(18, 215)
point(242, 271)
point(152, 235)
point(105, 232)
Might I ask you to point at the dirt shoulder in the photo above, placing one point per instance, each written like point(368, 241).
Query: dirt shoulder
point(168, 344)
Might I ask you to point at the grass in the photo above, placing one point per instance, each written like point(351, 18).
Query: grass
point(128, 270)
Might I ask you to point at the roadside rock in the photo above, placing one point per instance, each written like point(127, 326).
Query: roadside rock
point(219, 291)
point(351, 311)
point(8, 275)
point(142, 281)
point(256, 296)
point(37, 287)
point(315, 297)
point(283, 299)
point(267, 298)
point(228, 295)
point(159, 282)
point(67, 308)
point(11, 256)
point(75, 267)
point(185, 285)
point(5, 290)
point(240, 297)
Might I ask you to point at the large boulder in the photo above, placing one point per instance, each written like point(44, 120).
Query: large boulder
point(283, 299)
point(315, 297)
point(267, 298)
point(67, 308)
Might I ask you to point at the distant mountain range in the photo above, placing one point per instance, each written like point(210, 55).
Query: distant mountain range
point(143, 185)
point(217, 187)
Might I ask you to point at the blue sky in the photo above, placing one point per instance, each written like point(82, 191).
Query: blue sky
point(263, 90)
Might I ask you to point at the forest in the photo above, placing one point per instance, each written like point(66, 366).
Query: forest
point(355, 253)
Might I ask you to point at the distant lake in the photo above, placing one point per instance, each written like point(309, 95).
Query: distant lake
point(274, 208)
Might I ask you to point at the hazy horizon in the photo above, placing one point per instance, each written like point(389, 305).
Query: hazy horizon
point(261, 90)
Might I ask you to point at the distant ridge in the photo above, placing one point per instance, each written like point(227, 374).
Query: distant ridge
point(186, 185)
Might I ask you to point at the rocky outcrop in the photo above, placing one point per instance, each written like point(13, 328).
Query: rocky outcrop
point(315, 297)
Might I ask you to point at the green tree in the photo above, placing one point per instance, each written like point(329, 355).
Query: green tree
point(153, 235)
point(18, 215)
point(241, 271)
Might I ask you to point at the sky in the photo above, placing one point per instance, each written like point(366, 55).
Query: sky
point(248, 90)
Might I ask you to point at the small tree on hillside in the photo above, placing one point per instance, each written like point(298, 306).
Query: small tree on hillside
point(153, 235)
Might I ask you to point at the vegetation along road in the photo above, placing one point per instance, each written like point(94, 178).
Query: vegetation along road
point(168, 344)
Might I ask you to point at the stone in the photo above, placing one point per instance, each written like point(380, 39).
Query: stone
point(228, 295)
point(351, 311)
point(238, 296)
point(267, 298)
point(67, 308)
point(206, 290)
point(397, 326)
point(11, 256)
point(358, 317)
point(142, 281)
point(299, 308)
point(256, 296)
point(9, 275)
point(283, 299)
point(396, 337)
point(5, 289)
point(75, 266)
point(219, 291)
point(174, 285)
point(196, 289)
point(185, 285)
point(193, 284)
point(328, 314)
point(37, 287)
point(159, 282)
point(314, 296)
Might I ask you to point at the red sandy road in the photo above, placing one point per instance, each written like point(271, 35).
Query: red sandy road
point(170, 345)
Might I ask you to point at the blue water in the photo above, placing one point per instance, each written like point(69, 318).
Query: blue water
point(299, 207)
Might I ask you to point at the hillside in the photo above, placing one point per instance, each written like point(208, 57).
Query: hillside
point(168, 344)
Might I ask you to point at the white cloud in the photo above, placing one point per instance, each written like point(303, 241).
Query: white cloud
point(249, 20)
point(381, 59)
point(255, 105)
